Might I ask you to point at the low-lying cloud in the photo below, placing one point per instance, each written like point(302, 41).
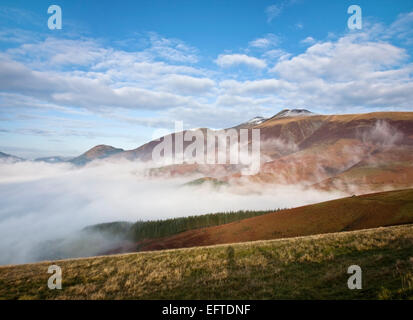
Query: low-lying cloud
point(383, 135)
point(43, 202)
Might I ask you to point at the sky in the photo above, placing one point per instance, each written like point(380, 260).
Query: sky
point(122, 72)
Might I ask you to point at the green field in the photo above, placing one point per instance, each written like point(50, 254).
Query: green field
point(312, 267)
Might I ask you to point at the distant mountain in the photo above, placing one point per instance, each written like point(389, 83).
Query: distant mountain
point(53, 159)
point(9, 158)
point(97, 152)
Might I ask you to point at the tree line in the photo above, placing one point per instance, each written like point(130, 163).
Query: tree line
point(153, 229)
point(162, 228)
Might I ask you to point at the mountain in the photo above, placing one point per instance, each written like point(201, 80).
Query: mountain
point(97, 152)
point(144, 152)
point(352, 152)
point(9, 158)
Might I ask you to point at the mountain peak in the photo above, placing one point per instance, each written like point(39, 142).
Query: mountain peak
point(97, 152)
point(103, 148)
point(293, 113)
point(251, 123)
point(256, 120)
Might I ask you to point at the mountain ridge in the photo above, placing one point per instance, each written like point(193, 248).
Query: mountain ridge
point(370, 151)
point(9, 157)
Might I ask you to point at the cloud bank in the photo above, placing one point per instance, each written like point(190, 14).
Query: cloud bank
point(47, 202)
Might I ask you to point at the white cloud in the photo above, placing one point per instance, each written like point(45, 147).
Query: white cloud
point(229, 60)
point(273, 11)
point(269, 40)
point(58, 53)
point(49, 70)
point(401, 29)
point(347, 74)
point(256, 87)
point(45, 202)
point(355, 72)
point(69, 90)
point(172, 49)
point(253, 103)
point(187, 85)
point(19, 16)
point(299, 25)
point(277, 54)
point(345, 59)
point(17, 36)
point(54, 52)
point(308, 40)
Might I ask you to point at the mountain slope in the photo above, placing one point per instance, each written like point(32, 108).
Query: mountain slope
point(379, 170)
point(353, 213)
point(314, 149)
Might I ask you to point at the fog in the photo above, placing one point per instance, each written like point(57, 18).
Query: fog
point(382, 135)
point(52, 202)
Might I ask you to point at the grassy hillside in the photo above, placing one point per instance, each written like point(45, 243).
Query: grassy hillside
point(352, 213)
point(313, 267)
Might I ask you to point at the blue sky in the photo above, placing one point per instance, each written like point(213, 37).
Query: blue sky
point(121, 73)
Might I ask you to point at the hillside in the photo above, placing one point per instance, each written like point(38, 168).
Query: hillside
point(323, 150)
point(313, 267)
point(352, 213)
